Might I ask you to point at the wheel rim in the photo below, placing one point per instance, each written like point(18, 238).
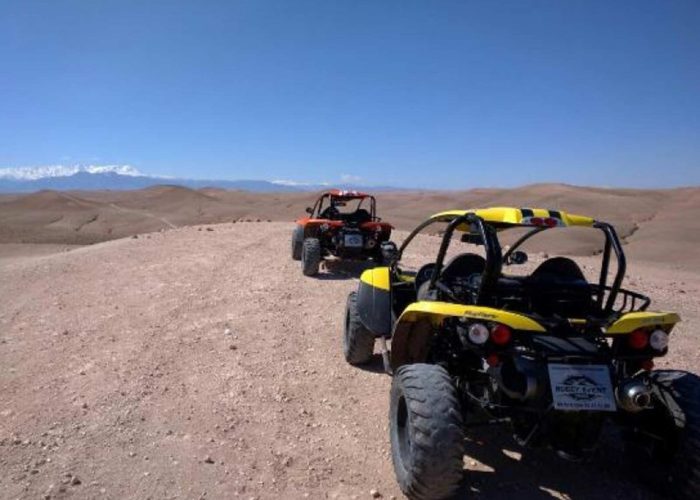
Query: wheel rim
point(404, 437)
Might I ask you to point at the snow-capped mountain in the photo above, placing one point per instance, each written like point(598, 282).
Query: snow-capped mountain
point(34, 173)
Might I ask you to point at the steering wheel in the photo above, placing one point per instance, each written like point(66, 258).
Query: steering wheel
point(460, 289)
point(424, 274)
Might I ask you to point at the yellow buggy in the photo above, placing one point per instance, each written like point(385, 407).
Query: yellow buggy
point(552, 353)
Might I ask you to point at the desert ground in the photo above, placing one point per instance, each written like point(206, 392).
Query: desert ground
point(182, 354)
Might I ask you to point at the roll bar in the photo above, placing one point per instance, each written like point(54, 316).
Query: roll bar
point(494, 257)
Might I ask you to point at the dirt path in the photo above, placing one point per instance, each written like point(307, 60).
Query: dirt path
point(199, 363)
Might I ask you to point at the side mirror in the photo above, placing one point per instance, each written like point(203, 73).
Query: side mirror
point(309, 210)
point(517, 257)
point(390, 253)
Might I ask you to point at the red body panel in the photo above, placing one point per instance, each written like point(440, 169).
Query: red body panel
point(366, 226)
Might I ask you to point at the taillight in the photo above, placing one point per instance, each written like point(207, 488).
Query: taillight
point(501, 334)
point(493, 360)
point(638, 339)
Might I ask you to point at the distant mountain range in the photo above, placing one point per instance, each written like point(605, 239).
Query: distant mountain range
point(123, 177)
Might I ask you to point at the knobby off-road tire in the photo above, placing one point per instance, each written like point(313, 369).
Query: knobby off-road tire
point(680, 393)
point(310, 256)
point(358, 341)
point(297, 242)
point(427, 435)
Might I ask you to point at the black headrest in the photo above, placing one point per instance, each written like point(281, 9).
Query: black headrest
point(559, 268)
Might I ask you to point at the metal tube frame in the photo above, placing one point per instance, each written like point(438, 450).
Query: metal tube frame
point(494, 259)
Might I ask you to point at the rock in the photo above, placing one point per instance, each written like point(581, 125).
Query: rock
point(208, 460)
point(75, 481)
point(210, 229)
point(375, 493)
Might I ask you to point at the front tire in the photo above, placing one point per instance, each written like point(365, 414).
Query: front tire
point(425, 425)
point(679, 393)
point(358, 341)
point(310, 256)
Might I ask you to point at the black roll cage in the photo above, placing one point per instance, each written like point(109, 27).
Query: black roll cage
point(318, 206)
point(494, 257)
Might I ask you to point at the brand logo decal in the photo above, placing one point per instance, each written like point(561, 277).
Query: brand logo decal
point(580, 388)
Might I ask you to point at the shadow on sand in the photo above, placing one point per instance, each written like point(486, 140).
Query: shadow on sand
point(343, 269)
point(496, 467)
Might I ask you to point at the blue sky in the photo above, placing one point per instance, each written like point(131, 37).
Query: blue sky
point(449, 94)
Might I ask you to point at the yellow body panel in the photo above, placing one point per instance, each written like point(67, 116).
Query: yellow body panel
point(377, 278)
point(437, 311)
point(514, 216)
point(631, 321)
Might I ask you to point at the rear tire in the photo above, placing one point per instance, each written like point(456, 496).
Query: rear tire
point(679, 393)
point(427, 436)
point(310, 256)
point(358, 341)
point(297, 242)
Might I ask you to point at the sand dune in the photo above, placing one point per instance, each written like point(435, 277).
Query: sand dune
point(656, 225)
